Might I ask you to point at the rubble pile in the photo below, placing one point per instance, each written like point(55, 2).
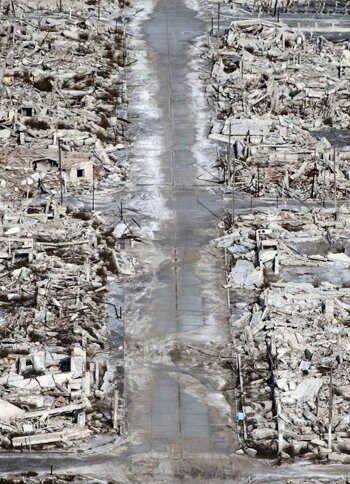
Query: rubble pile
point(274, 90)
point(272, 87)
point(92, 8)
point(291, 290)
point(63, 113)
point(31, 477)
point(57, 379)
point(63, 103)
point(304, 7)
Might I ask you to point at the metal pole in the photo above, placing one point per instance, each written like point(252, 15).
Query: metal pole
point(60, 168)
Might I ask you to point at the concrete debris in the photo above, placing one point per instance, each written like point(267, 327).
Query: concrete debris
point(293, 346)
point(53, 477)
point(280, 99)
point(54, 365)
point(276, 105)
point(63, 118)
point(63, 109)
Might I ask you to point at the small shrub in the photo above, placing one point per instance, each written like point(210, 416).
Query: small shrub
point(79, 77)
point(44, 85)
point(109, 54)
point(63, 125)
point(328, 121)
point(104, 137)
point(83, 36)
point(104, 123)
point(36, 123)
point(80, 213)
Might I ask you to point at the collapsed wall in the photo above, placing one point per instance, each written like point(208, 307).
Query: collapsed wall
point(63, 118)
point(280, 99)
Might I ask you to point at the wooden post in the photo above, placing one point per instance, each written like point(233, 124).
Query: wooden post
point(233, 189)
point(93, 187)
point(60, 168)
point(330, 409)
point(60, 5)
point(115, 410)
point(99, 10)
point(229, 145)
point(275, 9)
point(218, 26)
point(241, 69)
point(239, 364)
point(335, 179)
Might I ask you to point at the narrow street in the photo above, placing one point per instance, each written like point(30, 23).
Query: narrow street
point(175, 408)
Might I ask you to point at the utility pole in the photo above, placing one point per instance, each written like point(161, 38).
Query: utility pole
point(60, 168)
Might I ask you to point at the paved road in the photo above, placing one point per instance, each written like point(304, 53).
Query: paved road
point(180, 411)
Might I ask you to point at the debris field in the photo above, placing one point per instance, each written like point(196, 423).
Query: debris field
point(281, 117)
point(63, 133)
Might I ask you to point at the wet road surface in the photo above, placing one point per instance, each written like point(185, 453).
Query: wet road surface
point(179, 410)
